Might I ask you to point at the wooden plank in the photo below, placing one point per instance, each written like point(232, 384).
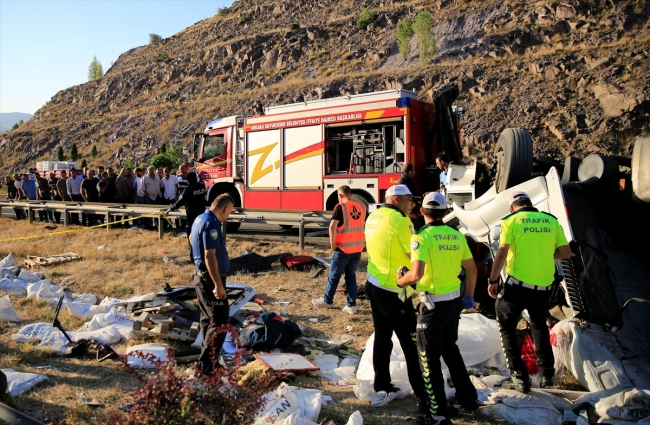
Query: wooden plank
point(34, 261)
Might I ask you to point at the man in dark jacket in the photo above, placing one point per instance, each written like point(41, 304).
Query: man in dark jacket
point(193, 198)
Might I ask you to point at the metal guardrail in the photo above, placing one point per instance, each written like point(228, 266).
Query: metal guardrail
point(110, 211)
point(15, 417)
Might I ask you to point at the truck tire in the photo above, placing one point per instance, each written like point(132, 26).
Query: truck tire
point(641, 170)
point(514, 155)
point(597, 169)
point(362, 199)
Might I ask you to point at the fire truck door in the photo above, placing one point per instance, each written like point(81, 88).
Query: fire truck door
point(263, 160)
point(215, 153)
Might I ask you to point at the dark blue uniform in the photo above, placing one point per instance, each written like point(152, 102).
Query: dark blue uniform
point(206, 234)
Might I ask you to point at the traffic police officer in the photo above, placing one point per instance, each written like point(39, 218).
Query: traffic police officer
point(212, 263)
point(437, 253)
point(529, 244)
point(388, 237)
point(193, 197)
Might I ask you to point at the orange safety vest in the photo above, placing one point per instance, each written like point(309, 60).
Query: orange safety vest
point(350, 237)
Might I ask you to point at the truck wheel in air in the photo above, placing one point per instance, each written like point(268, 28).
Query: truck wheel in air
point(641, 170)
point(514, 156)
point(363, 199)
point(595, 168)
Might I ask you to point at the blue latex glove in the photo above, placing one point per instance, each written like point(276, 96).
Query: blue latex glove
point(468, 302)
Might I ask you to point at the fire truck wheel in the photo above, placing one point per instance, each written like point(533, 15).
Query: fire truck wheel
point(514, 156)
point(641, 170)
point(362, 199)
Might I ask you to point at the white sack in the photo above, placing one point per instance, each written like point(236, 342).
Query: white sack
point(56, 342)
point(158, 350)
point(86, 311)
point(8, 271)
point(327, 363)
point(85, 298)
point(624, 403)
point(18, 382)
point(289, 406)
point(108, 335)
point(110, 301)
point(7, 311)
point(125, 329)
point(355, 419)
point(11, 286)
point(33, 331)
point(8, 261)
point(30, 277)
point(534, 408)
point(479, 341)
point(43, 290)
point(101, 320)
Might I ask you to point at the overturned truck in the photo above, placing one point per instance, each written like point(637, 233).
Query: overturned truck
point(603, 204)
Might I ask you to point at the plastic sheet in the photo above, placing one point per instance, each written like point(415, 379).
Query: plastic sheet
point(534, 408)
point(44, 290)
point(8, 261)
point(355, 419)
point(8, 271)
point(30, 277)
point(479, 343)
point(19, 383)
point(624, 403)
point(48, 337)
point(7, 311)
point(85, 298)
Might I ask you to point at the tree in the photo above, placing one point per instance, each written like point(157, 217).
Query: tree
point(59, 154)
point(171, 158)
point(163, 148)
point(73, 151)
point(422, 28)
point(18, 124)
point(404, 35)
point(95, 70)
point(154, 38)
point(83, 164)
point(93, 151)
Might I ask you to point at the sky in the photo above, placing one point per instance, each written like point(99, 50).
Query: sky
point(47, 45)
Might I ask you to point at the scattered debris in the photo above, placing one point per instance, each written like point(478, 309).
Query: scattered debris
point(286, 362)
point(313, 320)
point(137, 356)
point(298, 262)
point(89, 401)
point(284, 303)
point(102, 247)
point(290, 405)
point(165, 326)
point(167, 260)
point(254, 263)
point(51, 260)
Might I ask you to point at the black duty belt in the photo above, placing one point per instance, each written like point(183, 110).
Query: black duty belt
point(516, 282)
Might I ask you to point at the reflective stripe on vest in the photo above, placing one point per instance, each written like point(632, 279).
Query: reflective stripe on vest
point(350, 237)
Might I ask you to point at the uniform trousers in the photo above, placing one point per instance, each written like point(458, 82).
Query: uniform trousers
point(390, 314)
point(512, 300)
point(214, 313)
point(437, 333)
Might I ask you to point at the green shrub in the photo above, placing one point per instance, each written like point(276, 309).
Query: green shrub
point(164, 55)
point(73, 152)
point(366, 16)
point(175, 115)
point(404, 34)
point(243, 19)
point(129, 163)
point(170, 158)
point(223, 11)
point(93, 151)
point(294, 26)
point(95, 70)
point(154, 38)
point(426, 42)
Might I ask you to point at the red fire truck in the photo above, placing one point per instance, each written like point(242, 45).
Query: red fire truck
point(294, 157)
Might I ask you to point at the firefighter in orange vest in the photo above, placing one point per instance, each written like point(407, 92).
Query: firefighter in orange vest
point(347, 241)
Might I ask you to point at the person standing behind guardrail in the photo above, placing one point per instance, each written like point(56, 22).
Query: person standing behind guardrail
point(122, 190)
point(28, 189)
point(45, 194)
point(169, 184)
point(150, 188)
point(12, 193)
point(73, 185)
point(138, 195)
point(55, 195)
point(90, 193)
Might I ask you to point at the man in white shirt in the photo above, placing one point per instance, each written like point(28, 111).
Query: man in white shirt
point(139, 197)
point(171, 189)
point(150, 189)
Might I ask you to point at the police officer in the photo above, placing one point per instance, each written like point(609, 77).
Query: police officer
point(388, 238)
point(437, 253)
point(193, 198)
point(529, 244)
point(212, 263)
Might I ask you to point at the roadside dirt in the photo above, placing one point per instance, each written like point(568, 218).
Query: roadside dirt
point(132, 264)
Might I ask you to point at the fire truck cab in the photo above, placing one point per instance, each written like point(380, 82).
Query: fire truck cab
point(296, 156)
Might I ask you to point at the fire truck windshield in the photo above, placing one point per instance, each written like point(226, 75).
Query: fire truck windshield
point(212, 146)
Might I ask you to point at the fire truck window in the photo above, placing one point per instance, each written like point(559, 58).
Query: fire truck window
point(212, 147)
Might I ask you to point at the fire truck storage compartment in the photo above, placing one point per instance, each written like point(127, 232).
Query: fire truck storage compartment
point(367, 148)
point(263, 160)
point(303, 158)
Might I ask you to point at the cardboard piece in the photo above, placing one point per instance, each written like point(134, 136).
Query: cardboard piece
point(289, 362)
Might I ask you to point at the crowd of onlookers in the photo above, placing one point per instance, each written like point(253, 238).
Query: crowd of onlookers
point(139, 186)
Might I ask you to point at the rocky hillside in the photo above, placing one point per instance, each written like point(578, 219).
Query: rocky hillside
point(575, 73)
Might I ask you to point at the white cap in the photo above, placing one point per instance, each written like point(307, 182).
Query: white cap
point(518, 196)
point(434, 201)
point(399, 189)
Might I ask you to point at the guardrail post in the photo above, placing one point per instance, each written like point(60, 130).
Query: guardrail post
point(301, 234)
point(108, 221)
point(160, 226)
point(29, 214)
point(66, 217)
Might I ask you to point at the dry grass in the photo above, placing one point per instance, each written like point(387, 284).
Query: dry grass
point(132, 265)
